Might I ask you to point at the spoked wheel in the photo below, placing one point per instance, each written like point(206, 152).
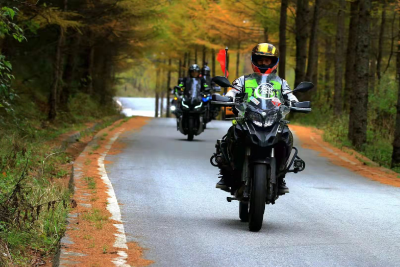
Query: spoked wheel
point(244, 211)
point(190, 134)
point(257, 197)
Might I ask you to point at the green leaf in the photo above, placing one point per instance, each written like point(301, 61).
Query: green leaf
point(9, 12)
point(8, 64)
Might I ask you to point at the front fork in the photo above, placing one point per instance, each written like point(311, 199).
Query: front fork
point(246, 174)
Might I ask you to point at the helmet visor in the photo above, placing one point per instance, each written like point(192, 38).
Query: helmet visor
point(194, 73)
point(264, 62)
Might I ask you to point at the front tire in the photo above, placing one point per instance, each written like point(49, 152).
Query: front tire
point(244, 211)
point(190, 134)
point(257, 197)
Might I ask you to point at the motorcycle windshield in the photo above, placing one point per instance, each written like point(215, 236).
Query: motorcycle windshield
point(263, 92)
point(267, 105)
point(194, 88)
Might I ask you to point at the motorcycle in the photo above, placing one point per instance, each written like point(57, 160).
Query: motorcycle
point(248, 157)
point(191, 121)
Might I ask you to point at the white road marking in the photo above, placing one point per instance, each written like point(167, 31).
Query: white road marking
point(113, 207)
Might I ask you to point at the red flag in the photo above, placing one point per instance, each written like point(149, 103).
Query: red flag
point(221, 59)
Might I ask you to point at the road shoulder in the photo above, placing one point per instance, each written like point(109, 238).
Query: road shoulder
point(311, 138)
point(95, 233)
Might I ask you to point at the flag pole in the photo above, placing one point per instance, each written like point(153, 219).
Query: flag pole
point(225, 89)
point(226, 58)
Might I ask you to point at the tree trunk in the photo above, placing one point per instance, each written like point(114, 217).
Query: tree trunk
point(348, 95)
point(381, 37)
point(179, 68)
point(396, 141)
point(161, 103)
point(157, 104)
point(204, 55)
point(184, 65)
point(328, 67)
point(90, 70)
point(282, 39)
point(168, 87)
point(188, 64)
point(360, 101)
point(301, 41)
point(339, 55)
point(157, 93)
point(312, 52)
point(56, 77)
point(195, 56)
point(69, 71)
point(57, 72)
point(392, 43)
point(213, 62)
point(314, 79)
point(266, 37)
point(372, 65)
point(238, 60)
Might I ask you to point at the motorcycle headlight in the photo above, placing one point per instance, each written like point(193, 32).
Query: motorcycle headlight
point(262, 120)
point(183, 103)
point(199, 106)
point(173, 108)
point(255, 118)
point(270, 119)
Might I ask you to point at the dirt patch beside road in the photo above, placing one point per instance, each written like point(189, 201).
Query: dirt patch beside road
point(311, 138)
point(95, 235)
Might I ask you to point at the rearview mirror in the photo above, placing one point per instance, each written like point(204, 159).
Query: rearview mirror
point(303, 87)
point(222, 81)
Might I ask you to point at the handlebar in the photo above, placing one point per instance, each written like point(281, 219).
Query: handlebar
point(300, 110)
point(223, 103)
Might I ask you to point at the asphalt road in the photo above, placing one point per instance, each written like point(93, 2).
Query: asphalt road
point(166, 185)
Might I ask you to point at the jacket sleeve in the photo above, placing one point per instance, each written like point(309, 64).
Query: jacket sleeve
point(238, 85)
point(286, 88)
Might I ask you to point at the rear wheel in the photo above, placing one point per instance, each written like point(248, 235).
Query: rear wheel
point(257, 197)
point(244, 211)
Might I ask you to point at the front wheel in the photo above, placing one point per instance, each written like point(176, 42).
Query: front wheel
point(244, 211)
point(190, 130)
point(257, 197)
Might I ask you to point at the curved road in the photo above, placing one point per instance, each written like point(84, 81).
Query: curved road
point(166, 185)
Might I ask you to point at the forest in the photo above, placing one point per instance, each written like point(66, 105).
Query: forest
point(63, 61)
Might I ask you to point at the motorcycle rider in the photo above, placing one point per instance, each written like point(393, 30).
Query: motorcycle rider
point(194, 72)
point(206, 73)
point(264, 61)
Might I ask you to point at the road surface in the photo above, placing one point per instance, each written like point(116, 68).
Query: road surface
point(166, 185)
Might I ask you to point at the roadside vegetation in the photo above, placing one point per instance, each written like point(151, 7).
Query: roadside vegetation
point(58, 61)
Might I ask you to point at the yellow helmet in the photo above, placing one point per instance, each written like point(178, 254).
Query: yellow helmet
point(264, 50)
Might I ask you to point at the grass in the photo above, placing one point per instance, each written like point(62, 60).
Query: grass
point(97, 217)
point(90, 182)
point(33, 207)
point(380, 128)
